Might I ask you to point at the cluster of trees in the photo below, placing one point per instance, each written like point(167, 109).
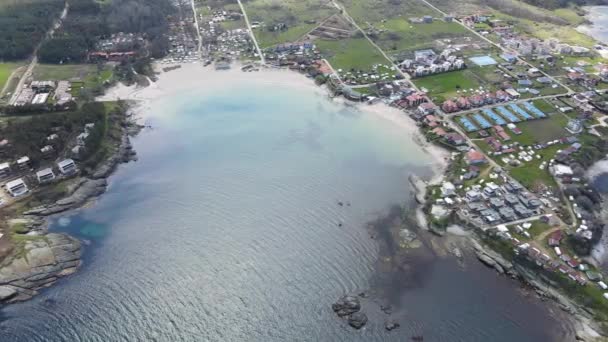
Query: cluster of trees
point(24, 24)
point(28, 136)
point(89, 20)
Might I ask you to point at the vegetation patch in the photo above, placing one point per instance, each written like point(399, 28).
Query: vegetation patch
point(347, 54)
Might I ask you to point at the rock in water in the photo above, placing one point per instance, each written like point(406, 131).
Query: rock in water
point(387, 309)
point(346, 305)
point(391, 325)
point(357, 320)
point(7, 292)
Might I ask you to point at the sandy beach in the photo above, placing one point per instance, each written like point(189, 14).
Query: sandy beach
point(196, 76)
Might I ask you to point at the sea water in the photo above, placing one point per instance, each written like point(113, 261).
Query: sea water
point(228, 228)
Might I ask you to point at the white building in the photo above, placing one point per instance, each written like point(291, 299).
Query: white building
point(5, 169)
point(560, 170)
point(16, 187)
point(45, 175)
point(23, 162)
point(67, 167)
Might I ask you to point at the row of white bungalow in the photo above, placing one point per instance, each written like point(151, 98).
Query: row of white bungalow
point(18, 186)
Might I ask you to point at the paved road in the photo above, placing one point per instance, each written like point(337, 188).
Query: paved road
point(34, 61)
point(255, 42)
point(198, 30)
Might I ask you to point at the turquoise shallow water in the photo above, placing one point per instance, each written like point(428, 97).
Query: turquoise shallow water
point(226, 229)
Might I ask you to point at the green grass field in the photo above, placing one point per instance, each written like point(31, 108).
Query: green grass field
point(354, 53)
point(401, 36)
point(63, 72)
point(446, 85)
point(300, 16)
point(267, 39)
point(377, 10)
point(81, 75)
point(529, 174)
point(6, 69)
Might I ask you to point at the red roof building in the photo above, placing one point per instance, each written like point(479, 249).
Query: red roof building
point(475, 157)
point(449, 106)
point(555, 238)
point(463, 103)
point(439, 131)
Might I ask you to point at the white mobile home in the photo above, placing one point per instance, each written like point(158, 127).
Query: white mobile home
point(16, 187)
point(45, 175)
point(67, 167)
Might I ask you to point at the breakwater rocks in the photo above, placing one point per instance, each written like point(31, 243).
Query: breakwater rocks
point(38, 264)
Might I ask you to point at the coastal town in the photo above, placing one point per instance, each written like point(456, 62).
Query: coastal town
point(522, 117)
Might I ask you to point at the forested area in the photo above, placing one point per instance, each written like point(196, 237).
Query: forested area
point(89, 20)
point(28, 135)
point(23, 24)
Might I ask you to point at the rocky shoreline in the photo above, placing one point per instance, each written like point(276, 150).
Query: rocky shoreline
point(49, 256)
point(585, 327)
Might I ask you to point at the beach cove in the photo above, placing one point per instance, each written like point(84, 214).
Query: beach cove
point(228, 227)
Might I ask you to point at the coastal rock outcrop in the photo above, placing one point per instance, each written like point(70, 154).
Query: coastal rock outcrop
point(391, 325)
point(349, 307)
point(492, 259)
point(346, 305)
point(39, 263)
point(87, 189)
point(357, 320)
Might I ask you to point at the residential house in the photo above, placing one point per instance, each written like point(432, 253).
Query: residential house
point(555, 238)
point(67, 167)
point(463, 103)
point(475, 157)
point(5, 170)
point(426, 108)
point(455, 139)
point(449, 106)
point(438, 131)
point(45, 175)
point(23, 163)
point(16, 187)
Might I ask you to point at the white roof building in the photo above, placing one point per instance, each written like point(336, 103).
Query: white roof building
point(67, 167)
point(45, 175)
point(23, 160)
point(16, 187)
point(448, 189)
point(560, 170)
point(4, 169)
